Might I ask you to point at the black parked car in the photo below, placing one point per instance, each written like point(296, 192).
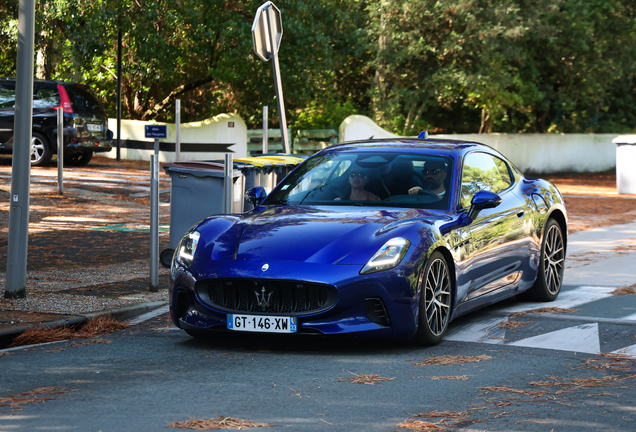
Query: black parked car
point(85, 121)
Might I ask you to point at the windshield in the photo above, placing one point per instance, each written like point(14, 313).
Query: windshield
point(368, 179)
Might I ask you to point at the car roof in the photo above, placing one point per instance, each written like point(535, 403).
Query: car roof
point(416, 145)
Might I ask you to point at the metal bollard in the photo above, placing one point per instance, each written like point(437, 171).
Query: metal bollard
point(60, 150)
point(154, 221)
point(177, 120)
point(265, 138)
point(228, 183)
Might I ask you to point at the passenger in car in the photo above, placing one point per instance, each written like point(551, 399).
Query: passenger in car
point(434, 173)
point(358, 180)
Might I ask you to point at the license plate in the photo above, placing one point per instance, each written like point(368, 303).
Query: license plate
point(94, 127)
point(259, 323)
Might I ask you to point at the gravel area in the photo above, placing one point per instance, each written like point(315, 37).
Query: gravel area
point(66, 251)
point(44, 286)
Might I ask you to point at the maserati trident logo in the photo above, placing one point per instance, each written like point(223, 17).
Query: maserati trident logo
point(265, 267)
point(262, 299)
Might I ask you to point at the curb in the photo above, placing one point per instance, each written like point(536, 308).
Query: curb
point(120, 314)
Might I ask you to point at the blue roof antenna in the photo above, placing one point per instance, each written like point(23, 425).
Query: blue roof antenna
point(423, 135)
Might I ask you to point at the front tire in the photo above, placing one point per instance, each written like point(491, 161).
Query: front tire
point(435, 301)
point(40, 152)
point(551, 265)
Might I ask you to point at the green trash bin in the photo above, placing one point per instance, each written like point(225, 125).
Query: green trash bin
point(196, 192)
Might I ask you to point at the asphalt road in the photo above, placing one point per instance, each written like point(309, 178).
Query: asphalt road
point(151, 375)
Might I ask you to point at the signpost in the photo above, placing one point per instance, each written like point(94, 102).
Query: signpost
point(15, 286)
point(157, 132)
point(267, 32)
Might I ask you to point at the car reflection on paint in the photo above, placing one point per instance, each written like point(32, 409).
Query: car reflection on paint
point(440, 228)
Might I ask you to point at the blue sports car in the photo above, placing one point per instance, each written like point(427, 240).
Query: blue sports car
point(387, 238)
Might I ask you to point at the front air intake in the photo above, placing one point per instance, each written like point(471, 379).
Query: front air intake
point(376, 312)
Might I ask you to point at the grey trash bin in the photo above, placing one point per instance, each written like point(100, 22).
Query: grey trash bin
point(196, 192)
point(625, 164)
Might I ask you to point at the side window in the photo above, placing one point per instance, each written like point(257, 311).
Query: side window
point(504, 172)
point(7, 96)
point(46, 97)
point(483, 172)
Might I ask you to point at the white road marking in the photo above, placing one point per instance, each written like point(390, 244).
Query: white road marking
point(18, 348)
point(569, 299)
point(486, 331)
point(149, 315)
point(583, 338)
point(630, 351)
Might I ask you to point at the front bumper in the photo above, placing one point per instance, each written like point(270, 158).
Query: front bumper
point(396, 289)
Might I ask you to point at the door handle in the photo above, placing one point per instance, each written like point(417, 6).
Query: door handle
point(520, 214)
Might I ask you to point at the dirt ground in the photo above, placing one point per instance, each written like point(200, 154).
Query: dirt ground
point(592, 200)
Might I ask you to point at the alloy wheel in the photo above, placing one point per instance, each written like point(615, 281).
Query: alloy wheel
point(553, 259)
point(37, 149)
point(437, 297)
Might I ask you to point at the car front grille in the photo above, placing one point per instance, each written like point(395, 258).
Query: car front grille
point(266, 296)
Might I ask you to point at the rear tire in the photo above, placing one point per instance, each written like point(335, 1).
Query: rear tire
point(40, 152)
point(435, 301)
point(81, 159)
point(551, 265)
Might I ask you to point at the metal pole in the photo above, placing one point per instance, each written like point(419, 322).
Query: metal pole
point(228, 183)
point(278, 85)
point(154, 219)
point(60, 150)
point(15, 286)
point(265, 138)
point(177, 144)
point(119, 90)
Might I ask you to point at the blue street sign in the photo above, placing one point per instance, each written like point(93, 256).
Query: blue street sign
point(156, 131)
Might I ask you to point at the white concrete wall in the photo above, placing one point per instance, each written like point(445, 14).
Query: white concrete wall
point(210, 131)
point(538, 153)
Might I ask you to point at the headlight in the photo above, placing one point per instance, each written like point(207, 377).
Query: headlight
point(388, 256)
point(187, 248)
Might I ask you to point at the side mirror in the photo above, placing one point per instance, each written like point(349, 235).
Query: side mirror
point(483, 200)
point(256, 195)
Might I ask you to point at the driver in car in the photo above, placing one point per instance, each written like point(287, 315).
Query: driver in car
point(434, 173)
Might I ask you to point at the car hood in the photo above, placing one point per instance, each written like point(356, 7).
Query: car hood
point(340, 235)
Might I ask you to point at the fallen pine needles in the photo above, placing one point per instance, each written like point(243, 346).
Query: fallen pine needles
point(371, 379)
point(579, 382)
point(446, 360)
point(421, 425)
point(625, 290)
point(553, 310)
point(531, 393)
point(448, 419)
point(220, 422)
point(41, 394)
point(450, 377)
point(512, 324)
point(93, 327)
